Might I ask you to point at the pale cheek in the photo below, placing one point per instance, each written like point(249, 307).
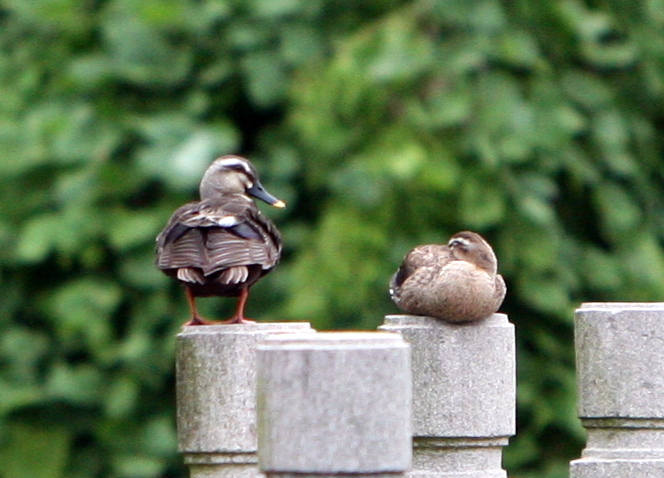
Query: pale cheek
point(235, 183)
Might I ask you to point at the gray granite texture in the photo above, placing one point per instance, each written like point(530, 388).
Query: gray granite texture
point(620, 360)
point(620, 371)
point(464, 378)
point(618, 469)
point(464, 394)
point(458, 457)
point(336, 403)
point(216, 396)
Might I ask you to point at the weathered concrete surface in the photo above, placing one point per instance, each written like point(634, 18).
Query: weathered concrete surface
point(620, 360)
point(216, 396)
point(334, 404)
point(620, 370)
point(464, 386)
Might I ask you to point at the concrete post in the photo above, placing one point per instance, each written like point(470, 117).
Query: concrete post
point(216, 396)
point(620, 371)
point(464, 387)
point(334, 404)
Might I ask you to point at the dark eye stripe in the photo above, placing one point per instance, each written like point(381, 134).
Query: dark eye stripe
point(459, 243)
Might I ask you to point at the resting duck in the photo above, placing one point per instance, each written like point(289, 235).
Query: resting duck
point(457, 282)
point(222, 244)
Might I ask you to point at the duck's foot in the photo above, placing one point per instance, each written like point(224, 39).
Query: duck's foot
point(232, 320)
point(238, 317)
point(237, 320)
point(196, 320)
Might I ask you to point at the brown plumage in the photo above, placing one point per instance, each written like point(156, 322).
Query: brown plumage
point(457, 282)
point(222, 244)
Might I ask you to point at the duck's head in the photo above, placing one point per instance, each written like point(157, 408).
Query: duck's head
point(234, 175)
point(471, 247)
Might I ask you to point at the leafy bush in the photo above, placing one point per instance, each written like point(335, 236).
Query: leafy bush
point(382, 124)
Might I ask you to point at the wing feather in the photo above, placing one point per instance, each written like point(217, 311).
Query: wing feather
point(215, 235)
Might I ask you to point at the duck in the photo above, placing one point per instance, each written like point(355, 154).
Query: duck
point(457, 282)
point(221, 245)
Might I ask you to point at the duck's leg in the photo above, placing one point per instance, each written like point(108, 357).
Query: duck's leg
point(238, 317)
point(195, 318)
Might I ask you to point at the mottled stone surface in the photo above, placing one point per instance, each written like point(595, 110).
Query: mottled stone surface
point(225, 469)
point(334, 404)
point(620, 360)
point(216, 396)
point(464, 378)
point(620, 370)
point(464, 387)
point(617, 469)
point(452, 457)
point(631, 439)
point(335, 475)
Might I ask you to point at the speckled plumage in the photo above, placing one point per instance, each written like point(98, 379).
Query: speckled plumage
point(222, 244)
point(457, 282)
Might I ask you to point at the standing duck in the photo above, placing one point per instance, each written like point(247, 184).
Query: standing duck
point(222, 244)
point(457, 282)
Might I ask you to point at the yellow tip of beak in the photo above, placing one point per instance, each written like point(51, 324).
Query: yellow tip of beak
point(279, 204)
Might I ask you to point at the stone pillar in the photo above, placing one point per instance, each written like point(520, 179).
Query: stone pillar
point(464, 394)
point(620, 372)
point(216, 396)
point(334, 404)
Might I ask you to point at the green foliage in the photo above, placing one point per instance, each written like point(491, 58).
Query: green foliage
point(382, 124)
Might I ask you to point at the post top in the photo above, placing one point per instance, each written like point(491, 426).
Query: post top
point(336, 340)
point(246, 328)
point(587, 306)
point(424, 321)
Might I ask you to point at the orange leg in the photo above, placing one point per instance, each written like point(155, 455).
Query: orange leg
point(238, 317)
point(195, 318)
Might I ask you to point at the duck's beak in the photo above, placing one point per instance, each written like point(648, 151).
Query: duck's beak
point(259, 192)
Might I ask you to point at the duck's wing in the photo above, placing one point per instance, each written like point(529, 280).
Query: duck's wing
point(218, 234)
point(434, 256)
point(500, 291)
point(179, 245)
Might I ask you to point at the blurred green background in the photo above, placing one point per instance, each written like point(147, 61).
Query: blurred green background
point(382, 123)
